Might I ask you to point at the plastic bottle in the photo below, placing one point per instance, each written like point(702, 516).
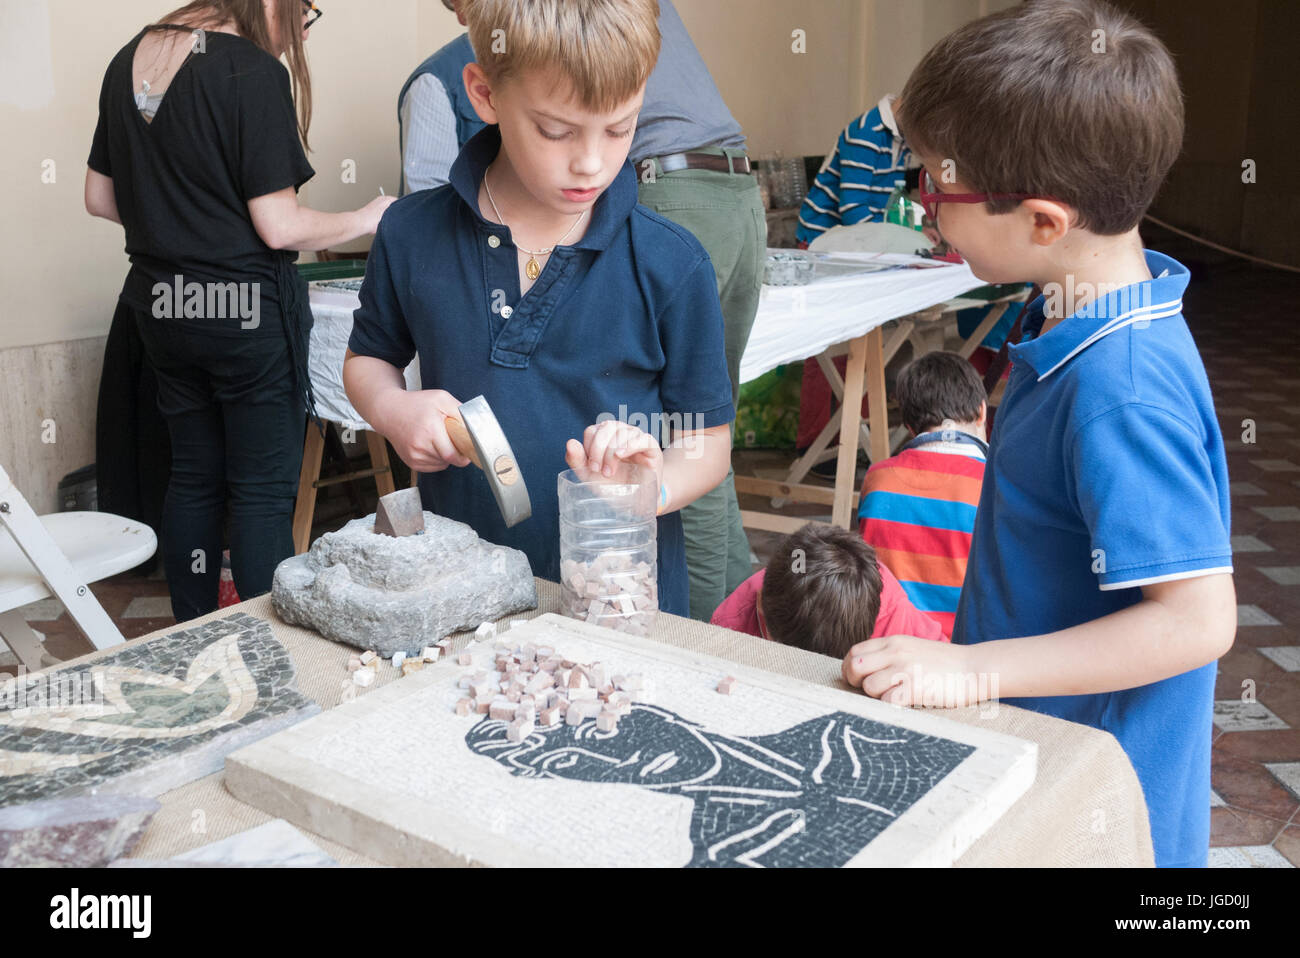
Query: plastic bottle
point(901, 210)
point(609, 548)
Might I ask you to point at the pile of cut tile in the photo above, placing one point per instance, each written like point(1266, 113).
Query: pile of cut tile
point(536, 687)
point(612, 592)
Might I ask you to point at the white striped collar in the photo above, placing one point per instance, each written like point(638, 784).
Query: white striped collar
point(1139, 303)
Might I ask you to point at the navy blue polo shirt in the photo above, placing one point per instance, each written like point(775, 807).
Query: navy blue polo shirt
point(625, 323)
point(1107, 473)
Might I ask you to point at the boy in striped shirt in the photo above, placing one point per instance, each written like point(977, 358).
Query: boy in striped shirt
point(918, 507)
point(854, 183)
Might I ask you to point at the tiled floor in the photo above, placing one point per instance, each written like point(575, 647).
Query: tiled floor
point(1244, 321)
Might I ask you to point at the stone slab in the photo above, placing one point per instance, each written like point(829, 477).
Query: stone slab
point(778, 773)
point(72, 832)
point(147, 718)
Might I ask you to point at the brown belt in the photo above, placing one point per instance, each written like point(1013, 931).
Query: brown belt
point(703, 161)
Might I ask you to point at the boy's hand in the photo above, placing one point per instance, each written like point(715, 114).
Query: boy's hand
point(905, 670)
point(607, 444)
point(419, 434)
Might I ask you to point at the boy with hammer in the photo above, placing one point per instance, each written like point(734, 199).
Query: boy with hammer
point(535, 279)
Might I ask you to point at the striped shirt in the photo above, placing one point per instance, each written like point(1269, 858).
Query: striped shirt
point(855, 181)
point(918, 512)
point(435, 117)
point(429, 123)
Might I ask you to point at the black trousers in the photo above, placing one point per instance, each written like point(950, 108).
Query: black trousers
point(132, 449)
point(236, 424)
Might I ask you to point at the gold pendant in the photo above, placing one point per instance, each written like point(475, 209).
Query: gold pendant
point(531, 269)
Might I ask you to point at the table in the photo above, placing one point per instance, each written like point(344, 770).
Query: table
point(332, 327)
point(332, 312)
point(844, 313)
point(1084, 809)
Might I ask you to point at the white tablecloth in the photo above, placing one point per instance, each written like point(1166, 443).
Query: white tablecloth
point(332, 311)
point(795, 322)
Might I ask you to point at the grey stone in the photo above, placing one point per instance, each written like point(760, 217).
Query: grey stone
point(400, 514)
point(398, 594)
point(80, 832)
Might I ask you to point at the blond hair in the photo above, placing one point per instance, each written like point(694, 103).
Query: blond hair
point(605, 48)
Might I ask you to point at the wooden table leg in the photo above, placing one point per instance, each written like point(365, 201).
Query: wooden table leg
point(379, 460)
point(850, 416)
point(983, 329)
point(877, 408)
point(305, 510)
point(19, 636)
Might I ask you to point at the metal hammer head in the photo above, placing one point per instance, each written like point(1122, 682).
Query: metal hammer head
point(497, 459)
point(400, 513)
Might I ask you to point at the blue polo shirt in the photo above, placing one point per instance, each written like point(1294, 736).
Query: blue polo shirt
point(625, 323)
point(1106, 473)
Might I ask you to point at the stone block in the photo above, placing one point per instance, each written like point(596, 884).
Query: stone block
point(393, 594)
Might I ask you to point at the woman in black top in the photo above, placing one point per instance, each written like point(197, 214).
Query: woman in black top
point(199, 155)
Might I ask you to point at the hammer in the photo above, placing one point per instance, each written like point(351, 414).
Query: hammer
point(478, 436)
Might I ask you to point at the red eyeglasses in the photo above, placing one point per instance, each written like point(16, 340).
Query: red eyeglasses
point(931, 198)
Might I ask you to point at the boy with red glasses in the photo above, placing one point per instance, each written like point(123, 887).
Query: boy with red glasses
point(1099, 586)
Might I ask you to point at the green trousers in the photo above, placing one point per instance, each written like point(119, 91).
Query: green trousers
point(726, 215)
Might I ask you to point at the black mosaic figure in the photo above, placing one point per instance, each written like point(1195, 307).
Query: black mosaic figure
point(814, 795)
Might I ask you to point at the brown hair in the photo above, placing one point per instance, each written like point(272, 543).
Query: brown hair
point(249, 18)
point(821, 591)
point(1064, 98)
point(938, 386)
point(605, 48)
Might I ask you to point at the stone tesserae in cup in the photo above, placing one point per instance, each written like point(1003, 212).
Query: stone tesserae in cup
point(608, 548)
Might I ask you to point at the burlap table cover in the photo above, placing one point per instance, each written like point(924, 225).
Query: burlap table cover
point(1084, 809)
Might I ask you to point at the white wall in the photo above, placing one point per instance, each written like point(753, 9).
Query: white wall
point(856, 52)
point(62, 270)
point(64, 267)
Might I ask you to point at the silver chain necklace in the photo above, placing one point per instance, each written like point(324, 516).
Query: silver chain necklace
point(532, 269)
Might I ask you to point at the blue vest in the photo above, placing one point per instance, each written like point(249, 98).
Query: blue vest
point(447, 65)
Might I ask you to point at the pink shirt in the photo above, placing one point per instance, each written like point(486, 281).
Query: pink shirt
point(739, 611)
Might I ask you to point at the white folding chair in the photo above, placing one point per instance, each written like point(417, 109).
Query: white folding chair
point(59, 555)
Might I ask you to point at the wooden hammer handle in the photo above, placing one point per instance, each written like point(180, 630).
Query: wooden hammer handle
point(459, 436)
